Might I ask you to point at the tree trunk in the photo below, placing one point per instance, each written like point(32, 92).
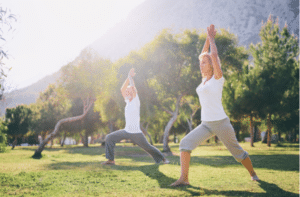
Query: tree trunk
point(111, 127)
point(64, 139)
point(166, 147)
point(14, 143)
point(279, 137)
point(251, 131)
point(269, 130)
point(216, 139)
point(86, 139)
point(237, 129)
point(190, 124)
point(144, 130)
point(51, 143)
point(87, 105)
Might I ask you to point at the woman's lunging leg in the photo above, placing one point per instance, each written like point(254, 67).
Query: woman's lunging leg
point(185, 158)
point(187, 144)
point(111, 140)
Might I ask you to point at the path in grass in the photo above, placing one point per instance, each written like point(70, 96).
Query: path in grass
point(76, 171)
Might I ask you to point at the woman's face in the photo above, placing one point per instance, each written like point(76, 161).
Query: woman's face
point(129, 92)
point(206, 67)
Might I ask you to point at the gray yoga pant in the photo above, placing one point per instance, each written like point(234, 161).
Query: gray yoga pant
point(138, 138)
point(222, 129)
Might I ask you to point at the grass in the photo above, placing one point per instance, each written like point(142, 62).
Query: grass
point(76, 171)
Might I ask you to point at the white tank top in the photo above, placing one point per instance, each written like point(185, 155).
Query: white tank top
point(210, 96)
point(132, 115)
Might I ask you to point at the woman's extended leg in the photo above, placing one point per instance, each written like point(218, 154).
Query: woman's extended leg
point(187, 144)
point(140, 140)
point(226, 134)
point(248, 165)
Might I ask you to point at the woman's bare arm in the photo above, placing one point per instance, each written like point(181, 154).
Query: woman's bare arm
point(214, 53)
point(206, 46)
point(124, 86)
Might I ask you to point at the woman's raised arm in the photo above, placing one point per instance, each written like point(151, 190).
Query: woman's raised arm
point(214, 52)
point(128, 81)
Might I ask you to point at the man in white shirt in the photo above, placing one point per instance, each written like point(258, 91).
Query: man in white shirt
point(132, 129)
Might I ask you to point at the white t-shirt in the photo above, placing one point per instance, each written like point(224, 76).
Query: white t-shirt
point(210, 96)
point(132, 115)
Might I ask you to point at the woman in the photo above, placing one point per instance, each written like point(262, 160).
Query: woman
point(132, 129)
point(214, 120)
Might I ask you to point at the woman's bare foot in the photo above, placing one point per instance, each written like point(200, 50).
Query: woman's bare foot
point(109, 162)
point(254, 177)
point(180, 183)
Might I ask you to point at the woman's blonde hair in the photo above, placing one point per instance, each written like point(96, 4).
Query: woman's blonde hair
point(129, 86)
point(205, 54)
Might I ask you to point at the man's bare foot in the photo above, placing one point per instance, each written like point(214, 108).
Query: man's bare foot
point(109, 162)
point(180, 183)
point(165, 161)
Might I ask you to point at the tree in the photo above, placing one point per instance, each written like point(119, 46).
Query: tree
point(6, 19)
point(241, 96)
point(51, 106)
point(18, 121)
point(189, 109)
point(87, 107)
point(3, 138)
point(90, 125)
point(276, 59)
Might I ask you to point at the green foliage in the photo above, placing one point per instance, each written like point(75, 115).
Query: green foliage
point(277, 67)
point(18, 120)
point(87, 76)
point(3, 138)
point(51, 106)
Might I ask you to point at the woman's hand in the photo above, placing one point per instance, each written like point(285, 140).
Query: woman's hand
point(211, 32)
point(131, 72)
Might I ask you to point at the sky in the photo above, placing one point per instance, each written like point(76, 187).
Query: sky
point(48, 34)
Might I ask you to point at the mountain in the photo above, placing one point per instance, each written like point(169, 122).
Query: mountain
point(241, 17)
point(27, 95)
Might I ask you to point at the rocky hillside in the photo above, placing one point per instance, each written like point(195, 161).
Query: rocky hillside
point(242, 17)
point(27, 95)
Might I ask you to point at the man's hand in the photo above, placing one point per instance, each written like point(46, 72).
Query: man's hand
point(131, 72)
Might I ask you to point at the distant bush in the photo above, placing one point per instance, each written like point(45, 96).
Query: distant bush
point(2, 142)
point(3, 138)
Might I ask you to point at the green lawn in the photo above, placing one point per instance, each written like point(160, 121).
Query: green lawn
point(76, 171)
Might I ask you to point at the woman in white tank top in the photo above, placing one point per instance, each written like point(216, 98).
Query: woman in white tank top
point(214, 119)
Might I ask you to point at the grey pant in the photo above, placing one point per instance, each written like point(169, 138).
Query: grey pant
point(138, 138)
point(222, 129)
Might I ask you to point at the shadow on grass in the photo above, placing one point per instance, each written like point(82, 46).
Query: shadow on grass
point(282, 162)
point(152, 171)
point(272, 162)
